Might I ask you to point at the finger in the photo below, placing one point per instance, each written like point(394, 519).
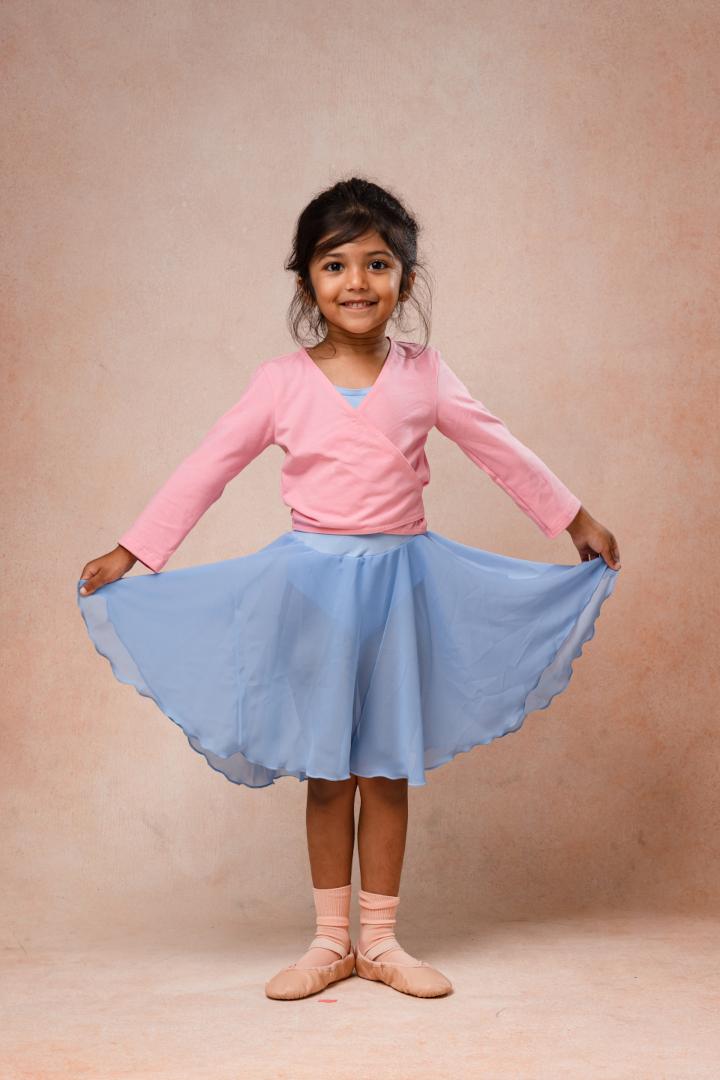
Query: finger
point(91, 581)
point(611, 559)
point(614, 554)
point(92, 586)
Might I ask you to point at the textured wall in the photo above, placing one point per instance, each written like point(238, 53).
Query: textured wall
point(563, 160)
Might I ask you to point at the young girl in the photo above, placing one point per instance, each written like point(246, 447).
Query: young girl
point(359, 649)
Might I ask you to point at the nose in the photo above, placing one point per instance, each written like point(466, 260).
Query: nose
point(356, 277)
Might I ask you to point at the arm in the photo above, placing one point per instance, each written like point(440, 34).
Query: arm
point(237, 437)
point(486, 440)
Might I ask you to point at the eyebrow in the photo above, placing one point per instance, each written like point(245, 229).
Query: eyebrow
point(338, 255)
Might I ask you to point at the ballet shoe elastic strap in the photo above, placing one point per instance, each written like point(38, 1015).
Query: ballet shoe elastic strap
point(380, 947)
point(321, 942)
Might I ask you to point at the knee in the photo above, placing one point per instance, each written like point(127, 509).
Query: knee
point(331, 791)
point(383, 788)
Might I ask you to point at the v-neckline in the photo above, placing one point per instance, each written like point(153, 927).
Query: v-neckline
point(353, 409)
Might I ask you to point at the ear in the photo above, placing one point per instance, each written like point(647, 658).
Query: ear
point(302, 288)
point(411, 281)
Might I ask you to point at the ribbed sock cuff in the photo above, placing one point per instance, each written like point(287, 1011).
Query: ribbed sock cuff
point(377, 907)
point(333, 901)
point(332, 908)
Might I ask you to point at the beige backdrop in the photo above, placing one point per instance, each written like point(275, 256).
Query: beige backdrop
point(562, 158)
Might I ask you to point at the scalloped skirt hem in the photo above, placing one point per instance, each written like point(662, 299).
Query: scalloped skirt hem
point(333, 655)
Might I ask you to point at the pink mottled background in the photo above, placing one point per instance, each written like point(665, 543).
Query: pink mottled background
point(563, 159)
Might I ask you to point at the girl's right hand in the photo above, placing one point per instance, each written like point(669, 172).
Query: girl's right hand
point(107, 568)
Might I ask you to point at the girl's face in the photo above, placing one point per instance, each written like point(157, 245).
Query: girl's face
point(363, 272)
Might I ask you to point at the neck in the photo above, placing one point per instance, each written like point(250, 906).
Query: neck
point(373, 345)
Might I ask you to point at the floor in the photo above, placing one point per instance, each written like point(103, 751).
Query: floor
point(622, 996)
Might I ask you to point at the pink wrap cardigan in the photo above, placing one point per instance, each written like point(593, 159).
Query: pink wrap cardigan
point(346, 469)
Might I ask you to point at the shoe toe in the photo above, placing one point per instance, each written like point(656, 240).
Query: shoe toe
point(294, 982)
point(420, 980)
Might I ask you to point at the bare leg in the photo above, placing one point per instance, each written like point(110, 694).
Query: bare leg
point(330, 822)
point(382, 831)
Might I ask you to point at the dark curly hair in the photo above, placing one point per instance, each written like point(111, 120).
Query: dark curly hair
point(349, 209)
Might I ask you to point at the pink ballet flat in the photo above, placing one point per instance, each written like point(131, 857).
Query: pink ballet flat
point(294, 982)
point(420, 980)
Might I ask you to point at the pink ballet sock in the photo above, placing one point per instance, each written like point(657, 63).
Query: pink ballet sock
point(378, 913)
point(332, 907)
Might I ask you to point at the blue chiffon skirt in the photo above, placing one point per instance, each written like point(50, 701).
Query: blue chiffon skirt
point(322, 655)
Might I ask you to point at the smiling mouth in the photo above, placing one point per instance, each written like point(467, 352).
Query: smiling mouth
point(358, 305)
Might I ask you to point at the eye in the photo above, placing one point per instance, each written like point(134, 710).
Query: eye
point(328, 265)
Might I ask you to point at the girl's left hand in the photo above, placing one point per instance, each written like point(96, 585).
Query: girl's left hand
point(593, 539)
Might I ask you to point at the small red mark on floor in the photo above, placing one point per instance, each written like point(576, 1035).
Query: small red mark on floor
point(330, 1000)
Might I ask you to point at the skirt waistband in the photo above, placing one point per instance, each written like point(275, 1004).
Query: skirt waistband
point(352, 543)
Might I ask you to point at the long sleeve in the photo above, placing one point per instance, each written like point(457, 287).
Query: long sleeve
point(486, 440)
point(237, 437)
